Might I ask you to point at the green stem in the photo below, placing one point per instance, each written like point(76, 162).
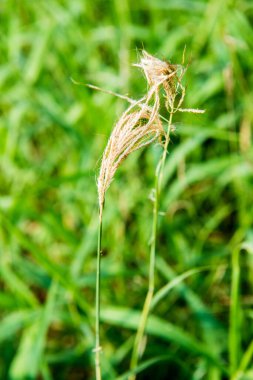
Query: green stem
point(137, 349)
point(138, 343)
point(97, 349)
point(167, 140)
point(234, 325)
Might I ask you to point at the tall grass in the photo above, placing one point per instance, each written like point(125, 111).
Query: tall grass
point(51, 135)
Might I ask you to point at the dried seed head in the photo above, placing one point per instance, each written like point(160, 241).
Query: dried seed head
point(138, 126)
point(156, 71)
point(163, 74)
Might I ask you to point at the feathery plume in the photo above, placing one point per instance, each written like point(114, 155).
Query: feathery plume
point(139, 126)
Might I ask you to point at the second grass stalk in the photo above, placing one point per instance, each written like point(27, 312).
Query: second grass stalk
point(138, 343)
point(97, 349)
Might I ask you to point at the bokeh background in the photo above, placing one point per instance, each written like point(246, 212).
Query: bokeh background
point(52, 135)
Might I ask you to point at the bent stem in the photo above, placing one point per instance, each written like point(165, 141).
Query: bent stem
point(138, 348)
point(97, 348)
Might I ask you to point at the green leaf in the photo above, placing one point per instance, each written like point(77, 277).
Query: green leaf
point(128, 318)
point(26, 364)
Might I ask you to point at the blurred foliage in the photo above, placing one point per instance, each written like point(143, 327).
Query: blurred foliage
point(52, 134)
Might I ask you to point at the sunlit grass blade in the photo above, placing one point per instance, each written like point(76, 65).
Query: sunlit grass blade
point(235, 313)
point(26, 363)
point(160, 328)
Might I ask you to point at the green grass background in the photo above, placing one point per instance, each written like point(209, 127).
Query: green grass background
point(52, 134)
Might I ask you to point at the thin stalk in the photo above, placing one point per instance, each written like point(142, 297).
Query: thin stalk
point(167, 140)
point(138, 348)
point(234, 325)
point(97, 349)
